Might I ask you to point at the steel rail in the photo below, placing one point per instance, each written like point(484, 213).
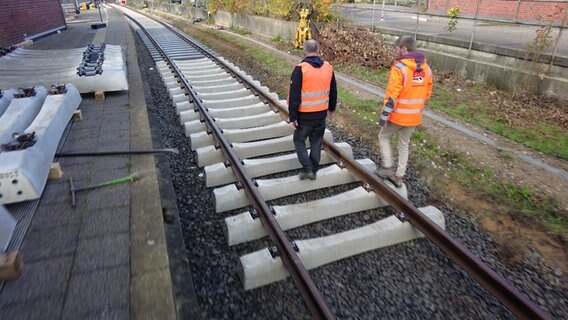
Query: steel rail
point(518, 303)
point(312, 296)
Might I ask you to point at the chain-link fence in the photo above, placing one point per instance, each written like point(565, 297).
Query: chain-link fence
point(543, 40)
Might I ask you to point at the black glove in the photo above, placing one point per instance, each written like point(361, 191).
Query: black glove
point(387, 109)
point(383, 119)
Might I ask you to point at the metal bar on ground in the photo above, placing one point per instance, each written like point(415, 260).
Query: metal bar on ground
point(72, 192)
point(114, 153)
point(564, 20)
point(473, 29)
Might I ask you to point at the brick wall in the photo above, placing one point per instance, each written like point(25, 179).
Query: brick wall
point(528, 10)
point(26, 18)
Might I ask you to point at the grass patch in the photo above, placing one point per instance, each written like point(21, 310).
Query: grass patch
point(378, 77)
point(543, 137)
point(497, 24)
point(520, 202)
point(241, 31)
point(272, 61)
point(363, 110)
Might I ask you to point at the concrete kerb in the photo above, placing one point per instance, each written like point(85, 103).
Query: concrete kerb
point(150, 272)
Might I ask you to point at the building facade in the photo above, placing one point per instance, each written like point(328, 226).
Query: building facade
point(520, 10)
point(21, 20)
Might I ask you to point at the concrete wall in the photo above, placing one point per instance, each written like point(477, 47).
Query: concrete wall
point(507, 9)
point(255, 24)
point(499, 76)
point(259, 25)
point(132, 3)
point(180, 10)
point(25, 19)
point(503, 72)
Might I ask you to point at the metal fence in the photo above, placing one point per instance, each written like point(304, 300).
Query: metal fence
point(468, 26)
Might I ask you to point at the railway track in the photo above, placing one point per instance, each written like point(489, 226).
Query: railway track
point(243, 144)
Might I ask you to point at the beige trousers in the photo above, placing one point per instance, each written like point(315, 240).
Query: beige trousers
point(385, 135)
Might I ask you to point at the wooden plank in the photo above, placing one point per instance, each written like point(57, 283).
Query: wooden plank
point(55, 171)
point(11, 266)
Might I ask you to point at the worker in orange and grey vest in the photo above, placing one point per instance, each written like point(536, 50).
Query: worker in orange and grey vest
point(312, 96)
point(408, 90)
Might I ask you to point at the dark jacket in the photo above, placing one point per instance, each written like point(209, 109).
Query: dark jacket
point(294, 98)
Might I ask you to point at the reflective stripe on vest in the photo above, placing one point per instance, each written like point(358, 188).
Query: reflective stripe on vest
point(411, 101)
point(314, 94)
point(316, 84)
point(402, 68)
point(407, 111)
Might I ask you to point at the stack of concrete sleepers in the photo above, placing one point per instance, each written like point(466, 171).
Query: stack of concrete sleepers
point(24, 170)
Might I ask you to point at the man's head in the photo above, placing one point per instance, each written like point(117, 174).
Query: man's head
point(311, 48)
point(405, 44)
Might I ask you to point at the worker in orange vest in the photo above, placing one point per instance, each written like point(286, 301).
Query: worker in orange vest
point(408, 90)
point(312, 96)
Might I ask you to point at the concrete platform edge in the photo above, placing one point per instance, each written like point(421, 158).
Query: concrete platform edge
point(151, 294)
point(182, 282)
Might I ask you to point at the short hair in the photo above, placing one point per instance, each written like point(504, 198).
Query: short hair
point(408, 42)
point(311, 46)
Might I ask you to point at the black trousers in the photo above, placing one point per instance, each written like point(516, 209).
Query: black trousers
point(313, 130)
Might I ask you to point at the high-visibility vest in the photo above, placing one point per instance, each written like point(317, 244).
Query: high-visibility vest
point(416, 90)
point(316, 84)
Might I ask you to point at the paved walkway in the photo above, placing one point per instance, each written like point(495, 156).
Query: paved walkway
point(107, 258)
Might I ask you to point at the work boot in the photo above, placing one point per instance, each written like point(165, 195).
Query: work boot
point(397, 181)
point(307, 175)
point(386, 173)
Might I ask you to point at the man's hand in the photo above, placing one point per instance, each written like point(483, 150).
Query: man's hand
point(383, 123)
point(294, 124)
point(330, 114)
